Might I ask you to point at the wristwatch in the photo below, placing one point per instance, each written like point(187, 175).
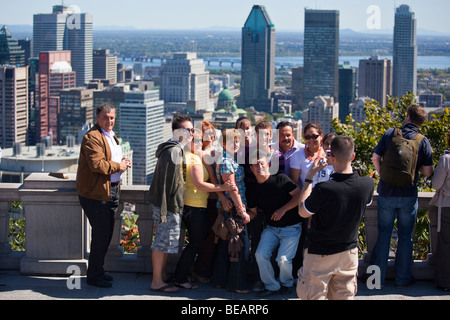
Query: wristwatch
point(308, 180)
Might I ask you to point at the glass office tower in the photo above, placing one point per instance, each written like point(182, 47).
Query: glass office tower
point(321, 54)
point(405, 52)
point(258, 60)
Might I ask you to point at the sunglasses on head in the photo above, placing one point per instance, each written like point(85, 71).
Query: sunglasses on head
point(284, 124)
point(313, 136)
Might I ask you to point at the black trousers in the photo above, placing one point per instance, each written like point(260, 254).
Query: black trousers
point(196, 222)
point(101, 218)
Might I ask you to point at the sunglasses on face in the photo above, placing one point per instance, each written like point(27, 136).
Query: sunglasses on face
point(190, 130)
point(313, 136)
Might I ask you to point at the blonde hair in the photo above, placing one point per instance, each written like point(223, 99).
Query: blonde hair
point(229, 133)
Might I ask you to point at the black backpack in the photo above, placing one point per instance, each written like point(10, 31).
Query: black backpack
point(398, 166)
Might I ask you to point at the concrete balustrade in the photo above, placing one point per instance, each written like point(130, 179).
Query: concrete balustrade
point(58, 233)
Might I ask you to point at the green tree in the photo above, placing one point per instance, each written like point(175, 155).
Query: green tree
point(366, 136)
point(379, 119)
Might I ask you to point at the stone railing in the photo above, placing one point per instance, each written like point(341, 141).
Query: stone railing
point(58, 233)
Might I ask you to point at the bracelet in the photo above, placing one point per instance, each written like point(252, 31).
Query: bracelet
point(308, 180)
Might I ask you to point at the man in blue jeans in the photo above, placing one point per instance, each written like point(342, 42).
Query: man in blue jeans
point(278, 197)
point(400, 202)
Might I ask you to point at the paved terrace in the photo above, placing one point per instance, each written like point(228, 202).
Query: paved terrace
point(135, 286)
point(57, 237)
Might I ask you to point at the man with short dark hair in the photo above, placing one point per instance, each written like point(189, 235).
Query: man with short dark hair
point(100, 167)
point(336, 208)
point(167, 198)
point(277, 196)
point(400, 202)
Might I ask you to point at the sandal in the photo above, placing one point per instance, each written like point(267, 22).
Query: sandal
point(242, 291)
point(166, 289)
point(186, 285)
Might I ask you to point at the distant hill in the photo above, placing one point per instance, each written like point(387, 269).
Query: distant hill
point(26, 31)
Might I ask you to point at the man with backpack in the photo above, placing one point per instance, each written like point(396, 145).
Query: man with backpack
point(399, 156)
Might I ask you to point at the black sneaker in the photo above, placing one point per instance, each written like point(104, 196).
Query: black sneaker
point(286, 290)
point(409, 284)
point(99, 283)
point(266, 293)
point(107, 277)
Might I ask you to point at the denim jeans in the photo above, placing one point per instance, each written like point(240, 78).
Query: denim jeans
point(287, 239)
point(405, 210)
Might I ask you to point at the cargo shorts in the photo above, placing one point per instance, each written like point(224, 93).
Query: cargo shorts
point(167, 234)
point(331, 277)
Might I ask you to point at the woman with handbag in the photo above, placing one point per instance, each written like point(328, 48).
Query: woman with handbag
point(195, 207)
point(232, 255)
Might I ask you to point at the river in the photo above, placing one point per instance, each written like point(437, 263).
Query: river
point(234, 63)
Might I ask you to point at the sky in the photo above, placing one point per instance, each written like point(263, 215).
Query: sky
point(359, 15)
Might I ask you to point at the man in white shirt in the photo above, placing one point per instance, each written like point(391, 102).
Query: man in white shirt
point(100, 167)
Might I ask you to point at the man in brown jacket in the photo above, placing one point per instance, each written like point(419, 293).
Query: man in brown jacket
point(98, 178)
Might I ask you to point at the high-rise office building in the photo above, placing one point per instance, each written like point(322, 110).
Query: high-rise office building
point(105, 65)
point(347, 90)
point(323, 110)
point(297, 89)
point(13, 105)
point(10, 51)
point(114, 95)
point(258, 61)
point(405, 52)
point(76, 111)
point(66, 29)
point(141, 124)
point(184, 79)
point(375, 79)
point(321, 54)
point(54, 74)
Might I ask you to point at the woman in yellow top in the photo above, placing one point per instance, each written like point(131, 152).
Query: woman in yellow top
point(195, 206)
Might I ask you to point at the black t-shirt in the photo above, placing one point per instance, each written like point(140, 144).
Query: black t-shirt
point(338, 206)
point(272, 195)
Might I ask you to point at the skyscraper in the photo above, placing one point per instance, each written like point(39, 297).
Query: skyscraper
point(55, 74)
point(105, 65)
point(405, 52)
point(141, 123)
point(323, 110)
point(184, 79)
point(66, 29)
point(347, 89)
point(375, 79)
point(321, 54)
point(13, 105)
point(10, 50)
point(76, 111)
point(258, 60)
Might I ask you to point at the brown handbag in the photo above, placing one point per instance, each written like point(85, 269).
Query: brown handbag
point(219, 228)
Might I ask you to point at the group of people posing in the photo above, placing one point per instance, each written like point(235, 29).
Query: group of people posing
point(259, 214)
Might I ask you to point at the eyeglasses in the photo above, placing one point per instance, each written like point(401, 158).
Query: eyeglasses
point(313, 136)
point(284, 124)
point(190, 130)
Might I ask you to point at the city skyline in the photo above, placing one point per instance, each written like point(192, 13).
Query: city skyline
point(364, 15)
